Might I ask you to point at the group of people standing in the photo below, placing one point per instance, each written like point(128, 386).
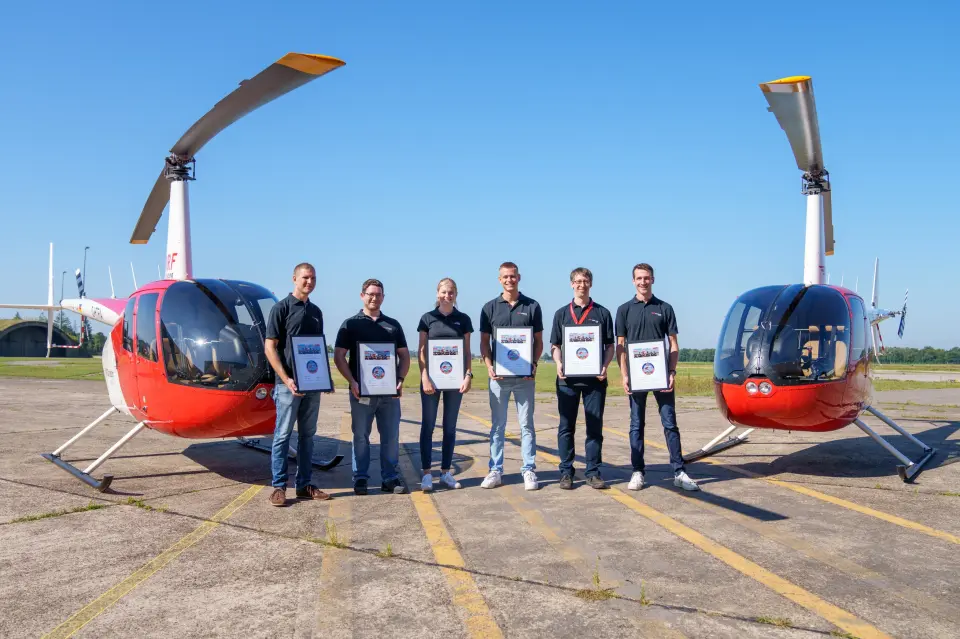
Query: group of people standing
point(643, 317)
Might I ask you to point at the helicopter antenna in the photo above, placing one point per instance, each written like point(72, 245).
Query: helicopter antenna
point(113, 294)
point(134, 273)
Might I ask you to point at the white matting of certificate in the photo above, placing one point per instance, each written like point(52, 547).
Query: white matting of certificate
point(513, 351)
point(445, 363)
point(582, 351)
point(311, 366)
point(648, 365)
point(377, 365)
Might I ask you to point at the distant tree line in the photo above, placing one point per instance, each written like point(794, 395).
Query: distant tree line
point(92, 344)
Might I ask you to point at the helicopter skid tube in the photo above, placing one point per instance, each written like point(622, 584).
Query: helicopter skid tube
point(86, 478)
point(324, 464)
point(909, 469)
point(715, 445)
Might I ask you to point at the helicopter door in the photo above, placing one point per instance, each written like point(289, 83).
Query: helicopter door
point(150, 372)
point(126, 368)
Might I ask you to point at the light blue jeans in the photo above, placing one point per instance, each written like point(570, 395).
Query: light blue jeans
point(523, 396)
point(304, 411)
point(387, 412)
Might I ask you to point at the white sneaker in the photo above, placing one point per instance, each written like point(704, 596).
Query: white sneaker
point(636, 481)
point(530, 480)
point(492, 480)
point(426, 484)
point(449, 481)
point(682, 480)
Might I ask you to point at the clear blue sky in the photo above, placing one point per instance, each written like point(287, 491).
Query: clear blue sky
point(460, 135)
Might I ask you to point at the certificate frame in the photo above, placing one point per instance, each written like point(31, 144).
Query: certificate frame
point(311, 363)
point(372, 385)
point(648, 365)
point(582, 348)
point(513, 357)
point(446, 362)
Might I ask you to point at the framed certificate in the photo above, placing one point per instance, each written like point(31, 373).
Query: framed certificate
point(445, 363)
point(648, 365)
point(513, 351)
point(582, 351)
point(311, 365)
point(377, 365)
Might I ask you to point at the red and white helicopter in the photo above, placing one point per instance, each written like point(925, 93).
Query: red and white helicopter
point(796, 357)
point(186, 356)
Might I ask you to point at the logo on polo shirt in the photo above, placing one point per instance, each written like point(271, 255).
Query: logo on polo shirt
point(378, 372)
point(655, 313)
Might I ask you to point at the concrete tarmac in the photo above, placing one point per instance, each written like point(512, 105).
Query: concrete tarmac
point(793, 534)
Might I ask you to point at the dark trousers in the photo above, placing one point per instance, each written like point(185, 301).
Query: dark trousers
point(430, 405)
point(568, 402)
point(666, 402)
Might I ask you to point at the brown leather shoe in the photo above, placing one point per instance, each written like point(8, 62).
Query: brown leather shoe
point(595, 481)
point(278, 497)
point(312, 492)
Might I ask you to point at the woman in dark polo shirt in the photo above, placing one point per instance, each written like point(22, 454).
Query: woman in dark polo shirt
point(443, 322)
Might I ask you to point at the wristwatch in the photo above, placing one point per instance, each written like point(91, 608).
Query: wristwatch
point(673, 372)
point(469, 373)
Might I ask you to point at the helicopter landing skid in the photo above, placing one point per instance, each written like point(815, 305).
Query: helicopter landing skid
point(84, 475)
point(909, 469)
point(322, 464)
point(715, 445)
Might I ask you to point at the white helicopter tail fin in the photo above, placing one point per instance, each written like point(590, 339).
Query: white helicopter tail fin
point(50, 303)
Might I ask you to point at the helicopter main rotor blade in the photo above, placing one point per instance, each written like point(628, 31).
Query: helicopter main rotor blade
point(827, 222)
point(286, 74)
point(791, 100)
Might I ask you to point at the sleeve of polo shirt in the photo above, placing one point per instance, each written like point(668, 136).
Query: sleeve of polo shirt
point(467, 324)
point(608, 336)
point(622, 321)
point(537, 319)
point(343, 336)
point(422, 326)
point(485, 325)
point(401, 338)
point(671, 318)
point(556, 334)
point(276, 321)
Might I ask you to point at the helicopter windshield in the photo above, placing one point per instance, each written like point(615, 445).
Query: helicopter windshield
point(791, 334)
point(212, 333)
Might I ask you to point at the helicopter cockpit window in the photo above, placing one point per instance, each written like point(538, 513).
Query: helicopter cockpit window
point(147, 326)
point(127, 334)
point(811, 339)
point(210, 337)
point(741, 334)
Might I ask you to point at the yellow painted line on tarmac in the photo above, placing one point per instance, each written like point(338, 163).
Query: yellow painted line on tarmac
point(86, 614)
point(466, 595)
point(835, 615)
point(332, 610)
point(809, 492)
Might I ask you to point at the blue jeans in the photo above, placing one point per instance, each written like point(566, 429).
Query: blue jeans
point(594, 395)
point(387, 412)
point(666, 402)
point(304, 411)
point(430, 404)
point(523, 395)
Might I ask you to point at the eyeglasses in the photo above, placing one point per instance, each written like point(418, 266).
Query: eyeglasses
point(582, 282)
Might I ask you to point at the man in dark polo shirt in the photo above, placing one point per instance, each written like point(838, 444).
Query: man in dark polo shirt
point(645, 318)
point(370, 325)
point(582, 311)
point(511, 308)
point(293, 315)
